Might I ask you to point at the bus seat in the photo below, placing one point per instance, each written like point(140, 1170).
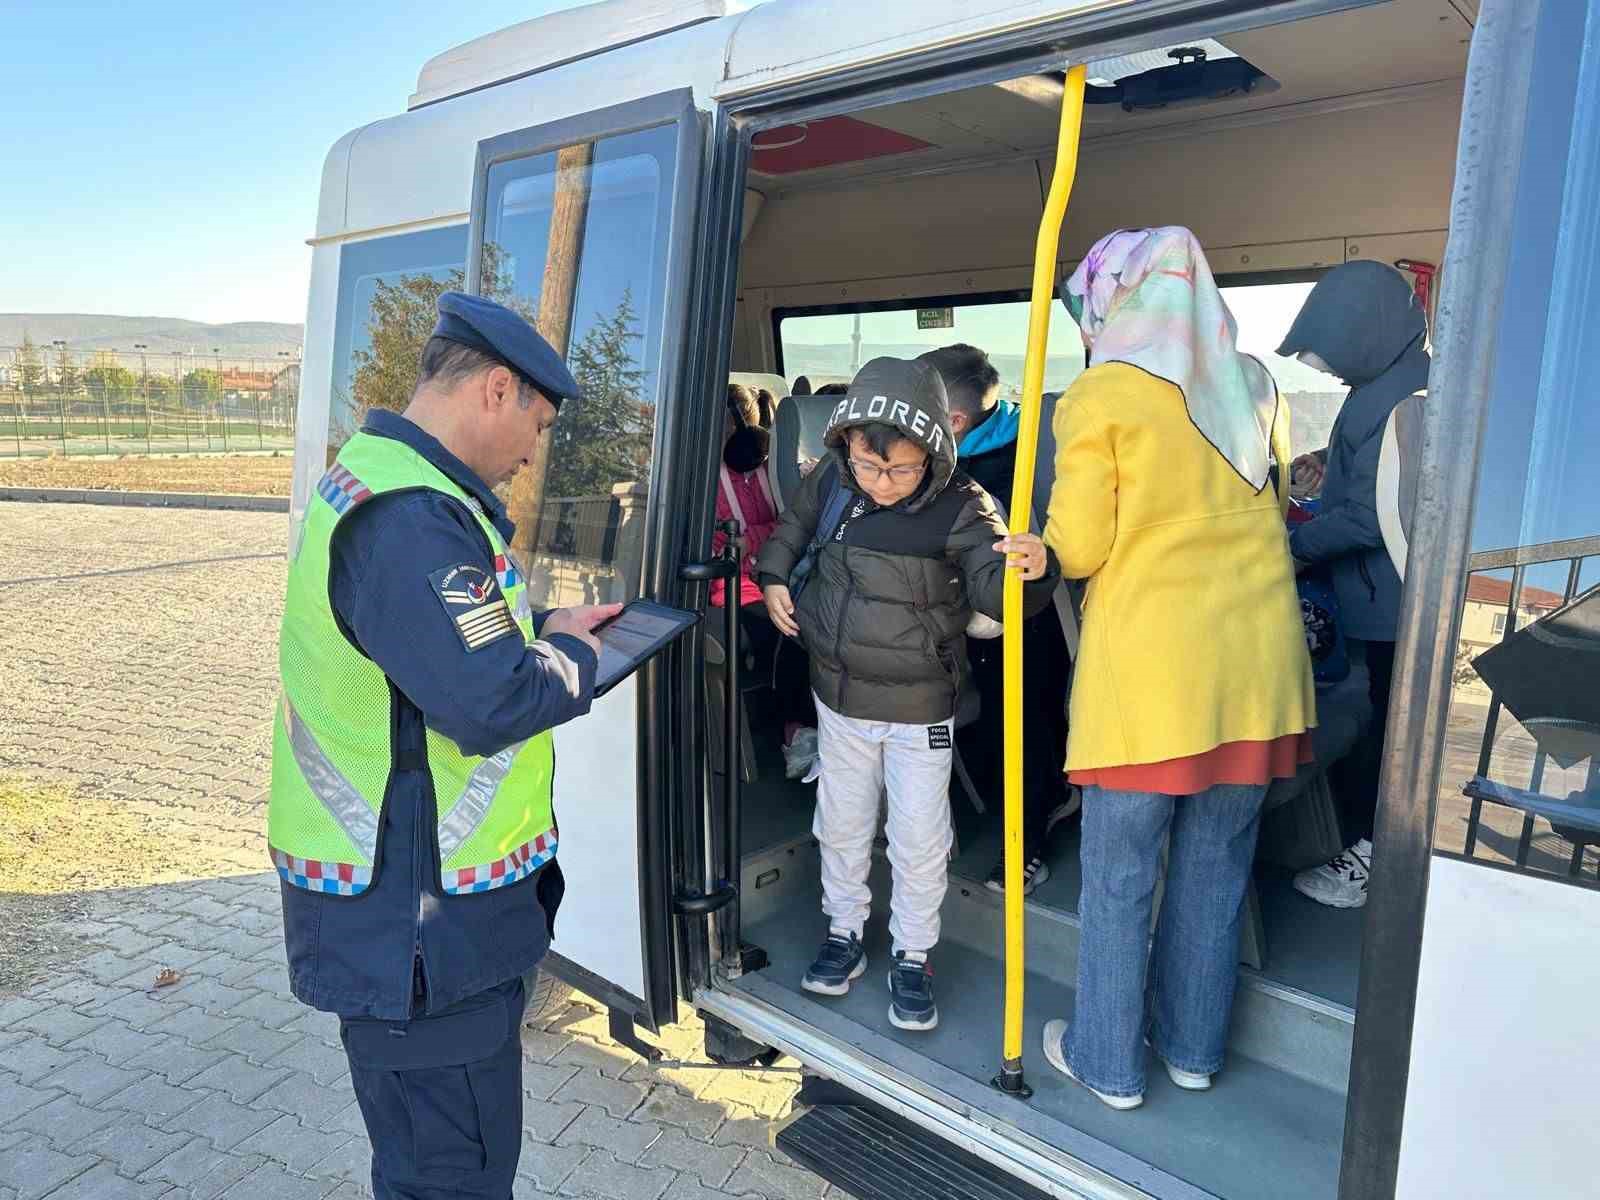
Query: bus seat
point(796, 434)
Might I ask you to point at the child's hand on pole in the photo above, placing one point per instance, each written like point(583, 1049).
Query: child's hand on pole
point(1025, 554)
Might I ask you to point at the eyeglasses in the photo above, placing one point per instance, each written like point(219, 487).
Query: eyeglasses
point(870, 472)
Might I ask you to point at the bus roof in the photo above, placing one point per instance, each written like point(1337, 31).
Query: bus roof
point(783, 39)
point(557, 38)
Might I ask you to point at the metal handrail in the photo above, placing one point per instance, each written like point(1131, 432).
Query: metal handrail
point(1530, 556)
point(1574, 551)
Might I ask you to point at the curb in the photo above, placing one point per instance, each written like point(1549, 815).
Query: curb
point(144, 499)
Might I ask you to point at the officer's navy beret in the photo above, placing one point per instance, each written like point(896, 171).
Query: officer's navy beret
point(496, 330)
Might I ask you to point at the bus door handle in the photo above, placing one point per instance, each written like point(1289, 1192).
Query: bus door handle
point(726, 566)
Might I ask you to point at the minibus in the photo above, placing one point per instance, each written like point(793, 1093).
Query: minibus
point(684, 193)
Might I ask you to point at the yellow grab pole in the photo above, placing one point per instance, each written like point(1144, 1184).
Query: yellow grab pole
point(1044, 278)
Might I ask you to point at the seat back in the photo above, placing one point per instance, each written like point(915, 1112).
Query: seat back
point(796, 434)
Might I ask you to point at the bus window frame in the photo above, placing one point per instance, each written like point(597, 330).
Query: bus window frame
point(1474, 269)
point(658, 579)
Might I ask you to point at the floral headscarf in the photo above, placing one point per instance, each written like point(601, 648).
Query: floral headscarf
point(1146, 297)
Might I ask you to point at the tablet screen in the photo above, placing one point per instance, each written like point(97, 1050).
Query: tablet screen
point(636, 633)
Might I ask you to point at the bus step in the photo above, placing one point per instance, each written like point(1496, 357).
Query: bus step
point(875, 1155)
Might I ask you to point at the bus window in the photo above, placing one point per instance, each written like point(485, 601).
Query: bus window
point(575, 240)
point(834, 344)
point(1264, 312)
point(1524, 727)
point(387, 290)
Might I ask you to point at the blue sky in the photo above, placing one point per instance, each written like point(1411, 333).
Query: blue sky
point(164, 159)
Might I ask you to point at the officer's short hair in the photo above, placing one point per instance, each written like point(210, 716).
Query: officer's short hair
point(447, 363)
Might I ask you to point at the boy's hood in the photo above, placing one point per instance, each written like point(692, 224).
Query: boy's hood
point(910, 396)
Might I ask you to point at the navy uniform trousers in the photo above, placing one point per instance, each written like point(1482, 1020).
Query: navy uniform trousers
point(442, 1097)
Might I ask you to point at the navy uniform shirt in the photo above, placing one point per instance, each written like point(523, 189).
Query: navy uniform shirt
point(358, 956)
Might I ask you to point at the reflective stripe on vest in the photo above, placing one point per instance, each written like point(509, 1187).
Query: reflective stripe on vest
point(331, 750)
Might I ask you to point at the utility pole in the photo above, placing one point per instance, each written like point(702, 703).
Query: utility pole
point(855, 348)
point(144, 384)
point(61, 399)
point(222, 404)
point(569, 216)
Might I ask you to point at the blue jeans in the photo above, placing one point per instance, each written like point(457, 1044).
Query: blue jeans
point(1187, 1000)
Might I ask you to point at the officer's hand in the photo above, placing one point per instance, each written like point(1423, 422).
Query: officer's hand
point(579, 620)
point(781, 609)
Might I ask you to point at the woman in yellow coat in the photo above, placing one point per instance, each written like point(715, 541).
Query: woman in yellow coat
point(1193, 689)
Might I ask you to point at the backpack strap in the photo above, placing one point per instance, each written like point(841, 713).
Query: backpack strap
point(732, 497)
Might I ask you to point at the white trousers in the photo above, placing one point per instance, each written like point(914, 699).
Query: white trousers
point(859, 758)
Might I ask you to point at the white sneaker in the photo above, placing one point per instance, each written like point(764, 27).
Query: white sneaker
point(1341, 883)
point(1054, 1033)
point(1189, 1081)
point(800, 755)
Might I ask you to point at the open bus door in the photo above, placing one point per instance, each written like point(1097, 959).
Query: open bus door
point(585, 226)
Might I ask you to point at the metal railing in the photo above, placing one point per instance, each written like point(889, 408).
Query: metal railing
point(1574, 552)
point(55, 400)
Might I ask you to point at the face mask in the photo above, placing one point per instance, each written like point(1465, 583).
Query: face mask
point(1314, 360)
point(745, 449)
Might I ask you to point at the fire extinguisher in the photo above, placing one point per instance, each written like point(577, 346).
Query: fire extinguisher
point(1422, 286)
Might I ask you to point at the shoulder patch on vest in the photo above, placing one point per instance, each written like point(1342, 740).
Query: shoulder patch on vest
point(341, 489)
point(474, 603)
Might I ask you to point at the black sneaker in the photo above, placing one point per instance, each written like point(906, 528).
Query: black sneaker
point(911, 986)
point(1034, 872)
point(840, 961)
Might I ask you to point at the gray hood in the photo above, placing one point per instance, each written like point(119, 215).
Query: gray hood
point(1359, 319)
point(908, 394)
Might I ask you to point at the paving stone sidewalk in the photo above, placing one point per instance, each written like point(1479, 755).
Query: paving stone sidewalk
point(221, 1085)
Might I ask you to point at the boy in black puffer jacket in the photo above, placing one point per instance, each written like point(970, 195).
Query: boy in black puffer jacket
point(913, 547)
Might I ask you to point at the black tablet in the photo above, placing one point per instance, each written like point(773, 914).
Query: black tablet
point(635, 634)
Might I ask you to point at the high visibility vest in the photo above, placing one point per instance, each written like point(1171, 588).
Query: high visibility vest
point(331, 752)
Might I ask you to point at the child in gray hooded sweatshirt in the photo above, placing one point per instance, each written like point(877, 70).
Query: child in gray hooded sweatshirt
point(906, 548)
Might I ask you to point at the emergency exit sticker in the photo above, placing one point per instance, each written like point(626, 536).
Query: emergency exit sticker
point(936, 318)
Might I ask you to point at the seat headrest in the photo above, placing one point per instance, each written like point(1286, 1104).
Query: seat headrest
point(796, 434)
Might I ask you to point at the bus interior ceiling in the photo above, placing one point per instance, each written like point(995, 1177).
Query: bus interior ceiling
point(1350, 156)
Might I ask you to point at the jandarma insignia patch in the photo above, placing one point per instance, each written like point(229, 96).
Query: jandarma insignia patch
point(474, 603)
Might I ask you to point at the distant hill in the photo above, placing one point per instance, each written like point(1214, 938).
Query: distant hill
point(163, 335)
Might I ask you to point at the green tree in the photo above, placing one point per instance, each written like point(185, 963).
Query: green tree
point(68, 380)
point(604, 438)
point(30, 367)
point(156, 388)
point(201, 386)
point(400, 320)
point(110, 383)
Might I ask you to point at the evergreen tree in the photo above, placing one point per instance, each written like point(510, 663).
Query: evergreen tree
point(604, 438)
point(30, 367)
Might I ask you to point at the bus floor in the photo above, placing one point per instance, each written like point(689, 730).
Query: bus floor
point(1272, 1126)
point(1309, 947)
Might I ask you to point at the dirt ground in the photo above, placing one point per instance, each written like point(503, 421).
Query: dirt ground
point(211, 474)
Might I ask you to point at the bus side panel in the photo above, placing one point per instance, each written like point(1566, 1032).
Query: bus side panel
point(316, 381)
point(1503, 1062)
point(597, 778)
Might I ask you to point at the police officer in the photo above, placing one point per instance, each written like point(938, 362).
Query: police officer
point(410, 816)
